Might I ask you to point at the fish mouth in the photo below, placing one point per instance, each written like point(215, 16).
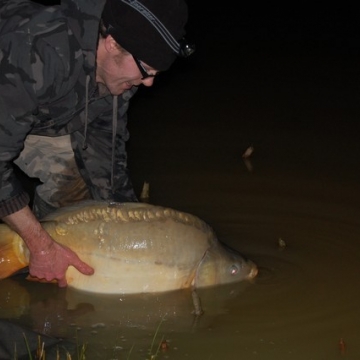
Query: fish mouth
point(253, 270)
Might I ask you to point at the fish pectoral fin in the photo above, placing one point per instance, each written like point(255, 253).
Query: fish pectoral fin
point(197, 303)
point(195, 297)
point(190, 281)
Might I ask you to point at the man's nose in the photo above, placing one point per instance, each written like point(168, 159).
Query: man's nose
point(148, 81)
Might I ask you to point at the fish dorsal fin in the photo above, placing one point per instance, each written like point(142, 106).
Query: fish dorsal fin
point(86, 211)
point(73, 208)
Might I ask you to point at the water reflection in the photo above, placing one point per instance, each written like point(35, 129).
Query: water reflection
point(110, 323)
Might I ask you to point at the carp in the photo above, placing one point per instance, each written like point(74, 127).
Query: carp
point(134, 248)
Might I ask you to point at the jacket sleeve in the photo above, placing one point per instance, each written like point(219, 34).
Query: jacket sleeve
point(12, 133)
point(21, 79)
point(107, 176)
point(16, 120)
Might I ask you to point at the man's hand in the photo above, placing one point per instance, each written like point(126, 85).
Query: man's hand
point(49, 260)
point(52, 263)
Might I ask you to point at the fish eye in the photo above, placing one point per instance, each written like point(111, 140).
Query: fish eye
point(234, 269)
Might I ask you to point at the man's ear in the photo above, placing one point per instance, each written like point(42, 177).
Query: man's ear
point(110, 44)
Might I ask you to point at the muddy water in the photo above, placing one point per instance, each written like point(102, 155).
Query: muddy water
point(298, 108)
point(304, 301)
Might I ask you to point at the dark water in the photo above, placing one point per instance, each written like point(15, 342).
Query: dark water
point(287, 85)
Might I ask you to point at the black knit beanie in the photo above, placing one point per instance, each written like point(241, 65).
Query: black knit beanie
point(148, 29)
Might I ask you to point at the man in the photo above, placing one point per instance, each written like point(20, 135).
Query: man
point(67, 73)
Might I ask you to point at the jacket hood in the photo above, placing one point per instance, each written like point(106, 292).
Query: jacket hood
point(83, 18)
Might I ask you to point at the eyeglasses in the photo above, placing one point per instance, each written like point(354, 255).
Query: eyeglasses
point(186, 48)
point(144, 73)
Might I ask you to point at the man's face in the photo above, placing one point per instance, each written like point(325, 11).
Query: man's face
point(117, 69)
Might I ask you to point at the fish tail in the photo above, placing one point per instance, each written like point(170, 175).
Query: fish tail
point(12, 252)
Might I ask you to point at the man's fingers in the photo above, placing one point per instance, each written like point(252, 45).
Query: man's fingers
point(62, 282)
point(78, 264)
point(85, 269)
point(41, 280)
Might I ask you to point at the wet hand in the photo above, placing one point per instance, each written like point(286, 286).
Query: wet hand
point(51, 263)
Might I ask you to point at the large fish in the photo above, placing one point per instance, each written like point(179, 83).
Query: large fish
point(134, 248)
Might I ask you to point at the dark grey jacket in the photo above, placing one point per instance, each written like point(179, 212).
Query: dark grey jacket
point(47, 87)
